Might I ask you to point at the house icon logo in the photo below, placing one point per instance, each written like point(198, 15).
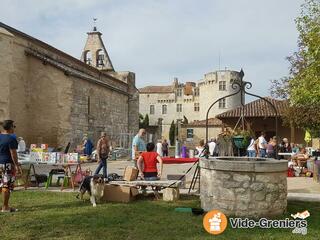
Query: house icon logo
point(215, 222)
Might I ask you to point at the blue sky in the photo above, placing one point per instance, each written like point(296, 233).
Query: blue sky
point(163, 39)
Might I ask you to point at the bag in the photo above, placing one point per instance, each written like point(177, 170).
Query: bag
point(114, 177)
point(290, 172)
point(79, 176)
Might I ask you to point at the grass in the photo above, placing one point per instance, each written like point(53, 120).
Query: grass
point(55, 215)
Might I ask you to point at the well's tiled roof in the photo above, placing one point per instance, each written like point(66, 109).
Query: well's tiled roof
point(201, 123)
point(156, 89)
point(257, 108)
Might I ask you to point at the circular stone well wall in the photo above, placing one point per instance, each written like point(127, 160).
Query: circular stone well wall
point(244, 187)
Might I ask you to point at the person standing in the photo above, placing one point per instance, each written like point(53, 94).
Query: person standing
point(87, 146)
point(21, 145)
point(286, 146)
point(138, 145)
point(262, 145)
point(159, 148)
point(165, 148)
point(103, 149)
point(212, 147)
point(271, 148)
point(9, 166)
point(200, 149)
point(251, 149)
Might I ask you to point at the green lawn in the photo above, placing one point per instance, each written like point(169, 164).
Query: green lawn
point(49, 215)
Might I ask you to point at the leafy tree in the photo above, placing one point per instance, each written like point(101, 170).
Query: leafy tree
point(146, 121)
point(302, 87)
point(141, 119)
point(172, 134)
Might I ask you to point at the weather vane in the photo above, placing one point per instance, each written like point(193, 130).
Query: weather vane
point(95, 24)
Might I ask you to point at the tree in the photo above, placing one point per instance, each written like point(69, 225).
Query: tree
point(146, 121)
point(172, 133)
point(302, 86)
point(141, 121)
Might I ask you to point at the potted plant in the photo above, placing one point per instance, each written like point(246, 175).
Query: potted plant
point(241, 138)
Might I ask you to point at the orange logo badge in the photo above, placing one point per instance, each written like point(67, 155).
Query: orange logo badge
point(215, 222)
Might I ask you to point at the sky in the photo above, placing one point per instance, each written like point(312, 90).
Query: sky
point(163, 39)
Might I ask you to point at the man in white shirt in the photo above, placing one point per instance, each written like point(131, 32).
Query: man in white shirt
point(159, 148)
point(251, 149)
point(262, 145)
point(212, 147)
point(21, 145)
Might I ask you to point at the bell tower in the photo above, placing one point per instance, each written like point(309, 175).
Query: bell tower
point(95, 53)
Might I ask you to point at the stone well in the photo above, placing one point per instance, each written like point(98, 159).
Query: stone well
point(244, 187)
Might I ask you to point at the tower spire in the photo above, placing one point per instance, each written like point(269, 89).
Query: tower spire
point(94, 52)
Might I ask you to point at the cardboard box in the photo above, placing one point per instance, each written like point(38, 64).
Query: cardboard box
point(118, 193)
point(130, 174)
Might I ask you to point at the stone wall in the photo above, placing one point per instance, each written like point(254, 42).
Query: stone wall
point(243, 193)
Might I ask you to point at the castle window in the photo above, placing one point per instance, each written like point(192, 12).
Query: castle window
point(100, 58)
point(87, 57)
point(222, 85)
point(179, 92)
point(164, 109)
point(151, 109)
point(196, 107)
point(179, 107)
point(222, 103)
point(196, 92)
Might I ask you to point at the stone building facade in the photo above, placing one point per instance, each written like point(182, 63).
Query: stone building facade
point(190, 99)
point(55, 98)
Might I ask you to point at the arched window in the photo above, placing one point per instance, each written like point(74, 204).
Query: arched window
point(100, 58)
point(88, 57)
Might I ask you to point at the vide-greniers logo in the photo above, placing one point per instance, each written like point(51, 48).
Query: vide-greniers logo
point(215, 222)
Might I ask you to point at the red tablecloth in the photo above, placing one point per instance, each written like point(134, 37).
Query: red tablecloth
point(169, 160)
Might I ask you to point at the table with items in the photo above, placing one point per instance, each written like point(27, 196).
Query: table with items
point(65, 166)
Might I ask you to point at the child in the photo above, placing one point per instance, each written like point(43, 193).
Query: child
point(147, 164)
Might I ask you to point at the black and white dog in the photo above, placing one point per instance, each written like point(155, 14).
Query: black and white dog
point(94, 185)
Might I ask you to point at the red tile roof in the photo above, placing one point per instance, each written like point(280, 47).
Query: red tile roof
point(257, 108)
point(156, 89)
point(201, 123)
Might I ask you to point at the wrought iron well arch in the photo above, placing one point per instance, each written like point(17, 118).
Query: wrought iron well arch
point(241, 87)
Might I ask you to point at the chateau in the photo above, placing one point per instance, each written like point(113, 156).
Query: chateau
point(55, 98)
point(190, 100)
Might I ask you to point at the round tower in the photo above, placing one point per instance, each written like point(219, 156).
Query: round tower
point(214, 86)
